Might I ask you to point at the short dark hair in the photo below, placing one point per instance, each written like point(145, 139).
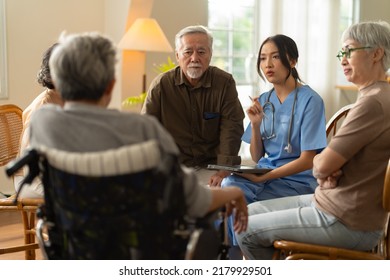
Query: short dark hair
point(43, 76)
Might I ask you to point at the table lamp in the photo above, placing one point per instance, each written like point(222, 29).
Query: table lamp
point(145, 35)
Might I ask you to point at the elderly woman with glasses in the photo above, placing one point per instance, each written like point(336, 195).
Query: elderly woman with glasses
point(346, 208)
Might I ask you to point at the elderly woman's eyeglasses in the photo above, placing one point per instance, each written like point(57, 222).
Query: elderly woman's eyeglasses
point(347, 52)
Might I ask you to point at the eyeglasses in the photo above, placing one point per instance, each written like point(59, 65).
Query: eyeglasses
point(347, 52)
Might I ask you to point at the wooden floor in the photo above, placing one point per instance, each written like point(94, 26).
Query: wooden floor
point(11, 234)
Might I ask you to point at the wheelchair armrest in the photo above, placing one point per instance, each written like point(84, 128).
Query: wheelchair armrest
point(29, 157)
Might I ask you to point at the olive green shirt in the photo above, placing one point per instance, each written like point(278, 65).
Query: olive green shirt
point(206, 121)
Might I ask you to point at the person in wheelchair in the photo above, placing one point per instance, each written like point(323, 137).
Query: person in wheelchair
point(83, 71)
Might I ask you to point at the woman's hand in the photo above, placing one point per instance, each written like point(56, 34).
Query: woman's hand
point(255, 112)
point(331, 181)
point(256, 178)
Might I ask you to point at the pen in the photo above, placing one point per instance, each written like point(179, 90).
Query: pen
point(253, 100)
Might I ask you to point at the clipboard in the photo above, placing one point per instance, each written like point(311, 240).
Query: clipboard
point(240, 168)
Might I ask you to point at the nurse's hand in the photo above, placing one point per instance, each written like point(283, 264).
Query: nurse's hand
point(255, 112)
point(256, 178)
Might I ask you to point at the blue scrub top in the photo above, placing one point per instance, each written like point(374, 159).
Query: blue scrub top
point(308, 130)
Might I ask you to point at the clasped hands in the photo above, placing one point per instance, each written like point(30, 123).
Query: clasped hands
point(330, 181)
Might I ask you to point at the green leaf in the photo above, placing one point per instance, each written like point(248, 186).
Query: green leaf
point(164, 67)
point(140, 99)
point(134, 100)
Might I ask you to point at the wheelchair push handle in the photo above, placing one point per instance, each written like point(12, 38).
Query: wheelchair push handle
point(29, 158)
point(26, 159)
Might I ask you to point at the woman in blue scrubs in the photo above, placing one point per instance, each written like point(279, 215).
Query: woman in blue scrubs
point(286, 130)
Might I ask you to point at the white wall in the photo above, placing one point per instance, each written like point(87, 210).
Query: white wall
point(115, 19)
point(375, 10)
point(32, 26)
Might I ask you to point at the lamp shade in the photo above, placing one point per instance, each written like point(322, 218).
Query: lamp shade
point(145, 35)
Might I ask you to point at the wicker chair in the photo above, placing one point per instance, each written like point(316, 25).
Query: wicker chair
point(296, 250)
point(28, 208)
point(335, 121)
point(11, 127)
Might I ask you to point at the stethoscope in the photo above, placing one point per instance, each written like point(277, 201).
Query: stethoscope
point(267, 136)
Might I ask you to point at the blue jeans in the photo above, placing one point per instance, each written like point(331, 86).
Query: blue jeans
point(297, 219)
point(276, 188)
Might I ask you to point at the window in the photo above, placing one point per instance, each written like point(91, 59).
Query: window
point(234, 33)
point(349, 11)
point(233, 30)
point(236, 28)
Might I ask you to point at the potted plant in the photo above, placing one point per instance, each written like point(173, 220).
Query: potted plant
point(140, 99)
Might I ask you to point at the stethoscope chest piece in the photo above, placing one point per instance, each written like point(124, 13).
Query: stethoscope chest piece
point(288, 148)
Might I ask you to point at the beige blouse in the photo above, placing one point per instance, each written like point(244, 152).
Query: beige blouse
point(46, 97)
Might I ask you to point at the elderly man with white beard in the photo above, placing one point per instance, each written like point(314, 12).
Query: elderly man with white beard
point(198, 104)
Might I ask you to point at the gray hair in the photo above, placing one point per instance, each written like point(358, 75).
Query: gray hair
point(83, 65)
point(191, 30)
point(374, 34)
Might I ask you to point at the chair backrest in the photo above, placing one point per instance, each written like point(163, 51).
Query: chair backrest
point(386, 204)
point(386, 189)
point(118, 204)
point(336, 120)
point(11, 127)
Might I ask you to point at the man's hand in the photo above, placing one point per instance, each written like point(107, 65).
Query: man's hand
point(240, 209)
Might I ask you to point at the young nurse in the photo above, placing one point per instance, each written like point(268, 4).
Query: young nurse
point(286, 130)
